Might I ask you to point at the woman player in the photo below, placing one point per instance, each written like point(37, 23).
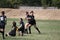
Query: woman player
point(13, 31)
point(27, 25)
point(22, 27)
point(3, 21)
point(31, 21)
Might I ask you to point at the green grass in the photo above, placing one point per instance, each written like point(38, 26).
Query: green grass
point(50, 30)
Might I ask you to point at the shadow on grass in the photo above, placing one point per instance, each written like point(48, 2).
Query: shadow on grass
point(11, 38)
point(25, 37)
point(43, 33)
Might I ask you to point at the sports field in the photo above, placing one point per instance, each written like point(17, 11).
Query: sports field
point(50, 30)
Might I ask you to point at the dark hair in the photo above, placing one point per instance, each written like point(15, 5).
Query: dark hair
point(26, 12)
point(3, 12)
point(21, 19)
point(32, 12)
point(14, 23)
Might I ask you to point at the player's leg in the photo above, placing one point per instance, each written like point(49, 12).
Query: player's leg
point(27, 26)
point(37, 28)
point(22, 32)
point(30, 30)
point(3, 34)
point(11, 33)
point(2, 31)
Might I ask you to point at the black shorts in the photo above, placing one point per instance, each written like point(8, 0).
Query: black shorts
point(2, 25)
point(32, 22)
point(12, 32)
point(21, 29)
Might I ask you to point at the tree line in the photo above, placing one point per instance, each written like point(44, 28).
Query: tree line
point(40, 3)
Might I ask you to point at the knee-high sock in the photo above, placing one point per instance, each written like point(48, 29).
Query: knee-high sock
point(26, 31)
point(37, 29)
point(29, 30)
point(2, 34)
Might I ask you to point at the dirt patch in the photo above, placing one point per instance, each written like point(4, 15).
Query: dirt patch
point(44, 14)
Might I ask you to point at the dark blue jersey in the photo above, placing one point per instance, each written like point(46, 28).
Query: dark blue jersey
point(22, 24)
point(3, 19)
point(33, 17)
point(29, 16)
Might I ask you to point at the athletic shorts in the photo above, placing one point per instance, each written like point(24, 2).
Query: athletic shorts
point(21, 29)
point(2, 25)
point(12, 32)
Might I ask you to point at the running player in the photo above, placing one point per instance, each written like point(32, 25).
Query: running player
point(3, 21)
point(31, 21)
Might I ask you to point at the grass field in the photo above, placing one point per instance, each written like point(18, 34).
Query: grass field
point(50, 30)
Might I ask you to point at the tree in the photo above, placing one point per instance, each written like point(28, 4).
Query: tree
point(17, 3)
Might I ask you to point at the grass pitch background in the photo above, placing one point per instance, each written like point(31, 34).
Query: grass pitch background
point(50, 30)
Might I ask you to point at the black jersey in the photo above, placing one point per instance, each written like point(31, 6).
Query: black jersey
point(29, 16)
point(32, 20)
point(22, 23)
point(2, 19)
point(22, 26)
